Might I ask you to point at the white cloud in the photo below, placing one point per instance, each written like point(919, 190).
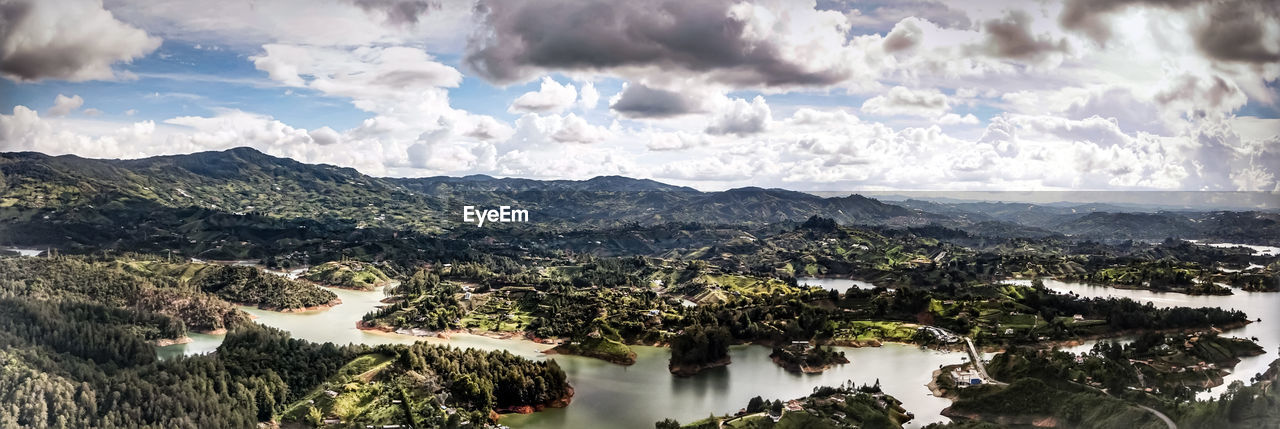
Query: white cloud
point(325, 23)
point(904, 101)
point(360, 72)
point(72, 40)
point(63, 105)
point(672, 141)
point(588, 97)
point(954, 119)
point(742, 118)
point(551, 97)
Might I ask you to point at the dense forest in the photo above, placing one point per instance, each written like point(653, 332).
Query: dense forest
point(698, 348)
point(77, 342)
point(105, 282)
point(250, 285)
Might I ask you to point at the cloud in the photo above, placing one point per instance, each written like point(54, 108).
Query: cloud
point(904, 101)
point(905, 35)
point(245, 24)
point(588, 96)
point(640, 101)
point(399, 12)
point(354, 72)
point(574, 129)
point(707, 169)
point(74, 40)
point(533, 130)
point(673, 141)
point(1242, 31)
point(954, 119)
point(324, 136)
point(63, 105)
point(1010, 37)
point(727, 42)
point(550, 97)
point(1227, 30)
point(742, 118)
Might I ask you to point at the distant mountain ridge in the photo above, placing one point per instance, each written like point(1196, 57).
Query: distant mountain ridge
point(244, 180)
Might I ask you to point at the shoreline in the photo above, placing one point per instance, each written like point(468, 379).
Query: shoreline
point(166, 342)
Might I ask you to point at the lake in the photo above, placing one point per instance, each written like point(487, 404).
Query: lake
point(609, 395)
point(1257, 250)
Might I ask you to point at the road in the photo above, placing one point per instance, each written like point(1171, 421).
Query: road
point(977, 363)
point(1161, 415)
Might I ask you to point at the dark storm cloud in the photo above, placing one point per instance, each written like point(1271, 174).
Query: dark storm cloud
point(399, 12)
point(519, 40)
point(1010, 37)
point(1235, 30)
point(639, 101)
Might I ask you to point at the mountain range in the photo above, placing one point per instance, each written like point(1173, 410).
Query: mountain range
point(35, 187)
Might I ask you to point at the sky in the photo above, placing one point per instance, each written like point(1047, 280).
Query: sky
point(1169, 95)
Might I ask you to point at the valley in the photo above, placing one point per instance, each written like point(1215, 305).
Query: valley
point(337, 299)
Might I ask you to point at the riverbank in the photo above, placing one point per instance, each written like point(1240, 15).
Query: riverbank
point(166, 342)
point(560, 402)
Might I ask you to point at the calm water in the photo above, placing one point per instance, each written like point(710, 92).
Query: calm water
point(200, 344)
point(1264, 305)
point(25, 252)
point(840, 285)
point(1257, 250)
point(609, 395)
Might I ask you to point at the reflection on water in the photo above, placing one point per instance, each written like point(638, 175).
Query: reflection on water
point(840, 285)
point(200, 344)
point(24, 252)
point(637, 396)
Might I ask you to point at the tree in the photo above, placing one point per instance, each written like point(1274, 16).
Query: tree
point(667, 424)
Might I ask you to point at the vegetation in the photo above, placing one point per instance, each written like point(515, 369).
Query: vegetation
point(249, 285)
point(809, 360)
point(844, 406)
point(348, 274)
point(1029, 400)
point(92, 364)
point(1256, 405)
point(105, 282)
point(699, 348)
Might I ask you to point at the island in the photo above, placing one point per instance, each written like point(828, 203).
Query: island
point(803, 358)
point(844, 406)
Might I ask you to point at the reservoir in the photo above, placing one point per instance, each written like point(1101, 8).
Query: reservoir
point(610, 395)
